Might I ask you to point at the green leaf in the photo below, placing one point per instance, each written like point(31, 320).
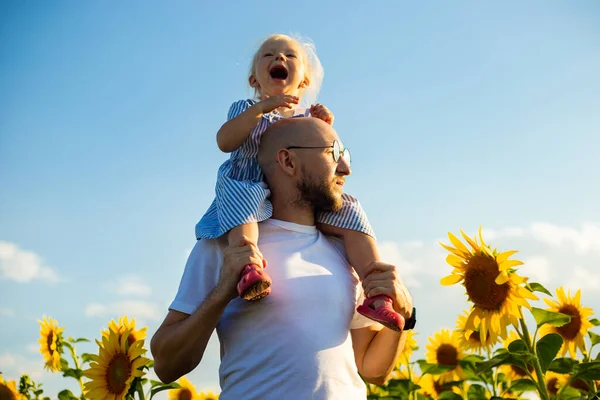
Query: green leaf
point(66, 395)
point(449, 395)
point(433, 369)
point(86, 357)
point(154, 383)
point(563, 365)
point(595, 321)
point(476, 392)
point(537, 287)
point(158, 389)
point(73, 373)
point(517, 346)
point(547, 348)
point(493, 362)
point(589, 370)
point(523, 385)
point(594, 338)
point(401, 387)
point(570, 393)
point(549, 317)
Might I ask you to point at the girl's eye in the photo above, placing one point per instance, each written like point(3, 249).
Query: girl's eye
point(291, 55)
point(267, 54)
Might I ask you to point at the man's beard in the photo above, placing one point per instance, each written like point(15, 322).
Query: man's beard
point(318, 194)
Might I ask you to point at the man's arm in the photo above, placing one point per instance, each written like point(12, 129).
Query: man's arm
point(376, 349)
point(179, 343)
point(376, 352)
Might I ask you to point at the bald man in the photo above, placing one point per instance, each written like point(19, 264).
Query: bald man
point(305, 340)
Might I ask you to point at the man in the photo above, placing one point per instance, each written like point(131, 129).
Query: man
point(304, 340)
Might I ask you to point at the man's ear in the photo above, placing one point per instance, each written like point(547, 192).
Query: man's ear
point(287, 162)
point(253, 82)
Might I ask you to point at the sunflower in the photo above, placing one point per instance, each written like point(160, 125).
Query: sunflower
point(573, 332)
point(51, 343)
point(187, 391)
point(491, 282)
point(114, 368)
point(513, 372)
point(444, 349)
point(433, 386)
point(209, 396)
point(123, 325)
point(8, 390)
point(554, 382)
point(471, 340)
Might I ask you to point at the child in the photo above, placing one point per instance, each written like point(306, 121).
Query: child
point(283, 70)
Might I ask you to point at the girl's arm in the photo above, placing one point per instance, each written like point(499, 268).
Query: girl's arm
point(234, 132)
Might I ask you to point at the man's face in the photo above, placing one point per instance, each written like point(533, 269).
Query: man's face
point(321, 183)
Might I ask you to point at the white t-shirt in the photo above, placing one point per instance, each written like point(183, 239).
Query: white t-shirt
point(294, 343)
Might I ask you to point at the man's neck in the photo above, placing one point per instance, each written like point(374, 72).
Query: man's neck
point(290, 211)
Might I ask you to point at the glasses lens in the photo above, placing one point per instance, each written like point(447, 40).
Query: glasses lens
point(346, 156)
point(336, 151)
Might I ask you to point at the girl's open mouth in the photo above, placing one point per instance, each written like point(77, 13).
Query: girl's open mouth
point(278, 72)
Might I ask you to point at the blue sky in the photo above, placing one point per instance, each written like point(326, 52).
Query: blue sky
point(456, 114)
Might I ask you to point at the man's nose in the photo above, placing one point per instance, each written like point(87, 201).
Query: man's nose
point(343, 168)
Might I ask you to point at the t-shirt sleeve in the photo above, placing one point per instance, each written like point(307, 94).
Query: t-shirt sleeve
point(200, 276)
point(237, 108)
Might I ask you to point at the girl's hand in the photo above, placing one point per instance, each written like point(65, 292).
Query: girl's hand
point(321, 112)
point(281, 100)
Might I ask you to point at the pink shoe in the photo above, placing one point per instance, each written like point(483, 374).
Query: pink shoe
point(384, 314)
point(254, 283)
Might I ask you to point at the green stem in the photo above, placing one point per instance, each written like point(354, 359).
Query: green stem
point(76, 361)
point(541, 383)
point(494, 375)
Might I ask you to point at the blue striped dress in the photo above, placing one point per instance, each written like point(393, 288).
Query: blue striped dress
point(242, 196)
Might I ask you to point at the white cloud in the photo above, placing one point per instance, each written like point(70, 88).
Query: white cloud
point(131, 285)
point(6, 312)
point(582, 240)
point(23, 266)
point(391, 253)
point(583, 279)
point(537, 268)
point(140, 310)
point(493, 234)
point(14, 365)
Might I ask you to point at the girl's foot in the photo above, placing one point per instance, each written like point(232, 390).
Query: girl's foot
point(254, 283)
point(383, 312)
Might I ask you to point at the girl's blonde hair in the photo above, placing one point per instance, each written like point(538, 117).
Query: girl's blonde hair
point(313, 69)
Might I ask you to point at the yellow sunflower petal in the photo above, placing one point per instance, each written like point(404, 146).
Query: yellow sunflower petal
point(450, 280)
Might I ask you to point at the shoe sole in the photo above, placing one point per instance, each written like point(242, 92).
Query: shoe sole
point(257, 291)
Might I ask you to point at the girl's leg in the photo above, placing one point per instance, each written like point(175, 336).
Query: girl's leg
point(361, 250)
point(254, 282)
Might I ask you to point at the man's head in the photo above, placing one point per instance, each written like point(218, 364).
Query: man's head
point(297, 158)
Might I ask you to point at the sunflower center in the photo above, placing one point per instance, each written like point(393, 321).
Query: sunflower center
point(6, 393)
point(475, 337)
point(49, 340)
point(578, 383)
point(447, 355)
point(552, 385)
point(569, 331)
point(184, 394)
point(117, 373)
point(479, 282)
point(437, 387)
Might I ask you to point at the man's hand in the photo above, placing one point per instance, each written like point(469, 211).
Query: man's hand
point(235, 258)
point(269, 104)
point(384, 279)
point(321, 112)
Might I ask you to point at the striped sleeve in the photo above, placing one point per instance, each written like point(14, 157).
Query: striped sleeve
point(237, 108)
point(351, 216)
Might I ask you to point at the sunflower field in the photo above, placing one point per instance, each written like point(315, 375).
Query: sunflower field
point(502, 347)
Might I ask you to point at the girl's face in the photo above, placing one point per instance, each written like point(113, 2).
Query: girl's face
point(279, 68)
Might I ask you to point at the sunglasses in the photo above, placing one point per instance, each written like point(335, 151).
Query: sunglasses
point(338, 151)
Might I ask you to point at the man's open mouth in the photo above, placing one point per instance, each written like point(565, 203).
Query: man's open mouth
point(278, 72)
